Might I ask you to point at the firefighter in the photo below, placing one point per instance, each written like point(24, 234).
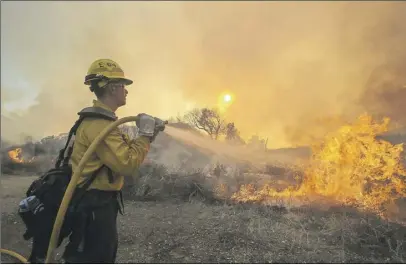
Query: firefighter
point(94, 238)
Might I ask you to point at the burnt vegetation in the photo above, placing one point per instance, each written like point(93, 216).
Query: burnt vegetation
point(237, 232)
point(194, 216)
point(181, 217)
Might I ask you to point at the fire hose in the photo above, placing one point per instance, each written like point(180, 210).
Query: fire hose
point(72, 185)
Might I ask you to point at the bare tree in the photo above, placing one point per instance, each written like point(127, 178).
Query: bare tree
point(208, 120)
point(231, 131)
point(232, 134)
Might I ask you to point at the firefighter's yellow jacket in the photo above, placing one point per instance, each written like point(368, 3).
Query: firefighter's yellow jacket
point(122, 155)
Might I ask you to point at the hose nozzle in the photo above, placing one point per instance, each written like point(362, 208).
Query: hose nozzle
point(160, 124)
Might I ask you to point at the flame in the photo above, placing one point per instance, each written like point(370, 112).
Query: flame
point(349, 166)
point(16, 155)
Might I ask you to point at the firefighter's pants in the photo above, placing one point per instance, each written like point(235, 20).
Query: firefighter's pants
point(94, 238)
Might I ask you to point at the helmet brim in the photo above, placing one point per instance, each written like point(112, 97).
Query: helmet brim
point(125, 81)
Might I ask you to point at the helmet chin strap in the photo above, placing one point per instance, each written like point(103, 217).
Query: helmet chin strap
point(103, 83)
point(102, 80)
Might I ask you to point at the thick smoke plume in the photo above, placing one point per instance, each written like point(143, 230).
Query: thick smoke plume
point(295, 69)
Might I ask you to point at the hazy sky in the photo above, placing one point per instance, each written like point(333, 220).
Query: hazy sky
point(292, 67)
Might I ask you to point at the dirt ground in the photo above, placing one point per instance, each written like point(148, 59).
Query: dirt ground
point(196, 231)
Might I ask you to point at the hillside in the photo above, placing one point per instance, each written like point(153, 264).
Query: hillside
point(184, 207)
point(178, 222)
point(173, 153)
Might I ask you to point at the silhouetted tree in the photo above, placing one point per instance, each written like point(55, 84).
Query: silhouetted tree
point(232, 134)
point(208, 120)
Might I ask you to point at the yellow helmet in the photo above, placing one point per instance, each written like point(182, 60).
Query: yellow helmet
point(105, 70)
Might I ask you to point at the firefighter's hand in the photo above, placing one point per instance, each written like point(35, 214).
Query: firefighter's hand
point(146, 125)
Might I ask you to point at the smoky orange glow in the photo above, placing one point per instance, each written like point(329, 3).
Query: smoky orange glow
point(290, 64)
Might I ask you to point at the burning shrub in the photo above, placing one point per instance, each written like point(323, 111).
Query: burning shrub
point(17, 156)
point(32, 158)
point(350, 166)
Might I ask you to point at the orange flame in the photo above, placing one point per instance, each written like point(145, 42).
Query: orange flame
point(16, 155)
point(350, 166)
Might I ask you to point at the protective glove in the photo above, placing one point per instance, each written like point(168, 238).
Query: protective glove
point(146, 125)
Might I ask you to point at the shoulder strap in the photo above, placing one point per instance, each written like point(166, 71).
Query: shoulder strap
point(97, 112)
point(71, 133)
point(93, 112)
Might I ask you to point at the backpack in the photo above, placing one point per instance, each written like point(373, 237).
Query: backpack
point(44, 196)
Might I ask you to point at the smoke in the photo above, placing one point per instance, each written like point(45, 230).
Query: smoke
point(231, 154)
point(295, 69)
point(300, 69)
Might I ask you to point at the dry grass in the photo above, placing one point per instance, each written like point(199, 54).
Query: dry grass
point(252, 233)
point(180, 218)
